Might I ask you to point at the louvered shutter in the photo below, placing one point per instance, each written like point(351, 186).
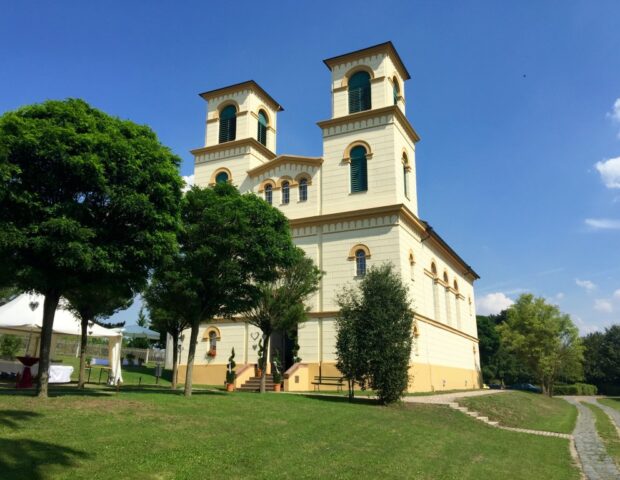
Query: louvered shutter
point(359, 175)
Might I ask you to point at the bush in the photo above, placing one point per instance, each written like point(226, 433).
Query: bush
point(575, 389)
point(231, 375)
point(10, 346)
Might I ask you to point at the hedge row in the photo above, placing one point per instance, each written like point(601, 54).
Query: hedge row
point(575, 389)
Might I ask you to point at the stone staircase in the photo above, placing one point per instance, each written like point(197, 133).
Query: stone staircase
point(475, 415)
point(253, 384)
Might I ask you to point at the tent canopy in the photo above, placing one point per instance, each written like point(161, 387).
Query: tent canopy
point(25, 313)
point(136, 331)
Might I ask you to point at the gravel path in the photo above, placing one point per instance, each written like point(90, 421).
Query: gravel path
point(596, 463)
point(447, 398)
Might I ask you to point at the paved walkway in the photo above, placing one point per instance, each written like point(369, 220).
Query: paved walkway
point(447, 398)
point(596, 463)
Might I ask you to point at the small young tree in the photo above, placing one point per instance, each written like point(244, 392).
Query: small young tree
point(375, 334)
point(142, 320)
point(91, 303)
point(280, 305)
point(82, 194)
point(544, 339)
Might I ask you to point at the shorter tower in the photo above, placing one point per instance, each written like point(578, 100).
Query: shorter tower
point(240, 133)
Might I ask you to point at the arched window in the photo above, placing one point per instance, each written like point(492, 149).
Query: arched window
point(228, 124)
point(360, 263)
point(434, 269)
point(303, 189)
point(406, 169)
point(359, 92)
point(212, 344)
point(269, 194)
point(395, 90)
point(221, 177)
point(262, 127)
point(286, 192)
point(359, 172)
point(445, 278)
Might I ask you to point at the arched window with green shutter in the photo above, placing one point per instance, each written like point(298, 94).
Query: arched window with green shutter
point(228, 124)
point(395, 90)
point(221, 177)
point(262, 127)
point(286, 192)
point(359, 171)
point(269, 194)
point(359, 92)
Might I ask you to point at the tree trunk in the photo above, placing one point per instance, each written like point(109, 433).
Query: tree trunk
point(83, 343)
point(263, 378)
point(190, 359)
point(49, 310)
point(175, 359)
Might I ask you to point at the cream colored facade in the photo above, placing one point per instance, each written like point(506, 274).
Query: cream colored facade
point(333, 223)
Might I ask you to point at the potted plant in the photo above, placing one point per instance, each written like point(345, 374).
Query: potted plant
point(231, 375)
point(212, 352)
point(88, 361)
point(277, 372)
point(261, 359)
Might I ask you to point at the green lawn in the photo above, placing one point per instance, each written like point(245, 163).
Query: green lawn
point(526, 410)
point(607, 431)
point(147, 434)
point(611, 402)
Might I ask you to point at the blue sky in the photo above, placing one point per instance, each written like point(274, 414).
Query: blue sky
point(519, 162)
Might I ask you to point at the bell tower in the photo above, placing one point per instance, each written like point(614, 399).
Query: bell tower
point(240, 134)
point(368, 144)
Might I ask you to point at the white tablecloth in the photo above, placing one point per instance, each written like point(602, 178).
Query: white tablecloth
point(58, 373)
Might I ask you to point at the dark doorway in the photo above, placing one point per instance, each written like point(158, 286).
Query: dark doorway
point(284, 344)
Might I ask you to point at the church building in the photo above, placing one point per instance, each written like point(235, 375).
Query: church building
point(351, 208)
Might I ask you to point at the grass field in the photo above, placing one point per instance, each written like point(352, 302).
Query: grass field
point(607, 431)
point(611, 402)
point(526, 410)
point(147, 434)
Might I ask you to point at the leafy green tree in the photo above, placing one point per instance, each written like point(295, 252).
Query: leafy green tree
point(7, 294)
point(544, 339)
point(375, 333)
point(143, 320)
point(230, 244)
point(602, 360)
point(91, 303)
point(280, 304)
point(10, 345)
point(171, 300)
point(82, 194)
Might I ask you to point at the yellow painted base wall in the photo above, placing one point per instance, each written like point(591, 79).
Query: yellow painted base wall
point(205, 374)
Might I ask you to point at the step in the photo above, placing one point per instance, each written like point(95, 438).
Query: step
point(492, 423)
point(484, 419)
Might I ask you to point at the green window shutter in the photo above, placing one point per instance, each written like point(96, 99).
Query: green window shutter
point(359, 174)
point(228, 124)
point(262, 127)
point(359, 92)
point(221, 177)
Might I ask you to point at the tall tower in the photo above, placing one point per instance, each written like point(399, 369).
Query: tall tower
point(368, 144)
point(240, 134)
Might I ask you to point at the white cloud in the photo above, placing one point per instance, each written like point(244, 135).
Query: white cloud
point(559, 296)
point(603, 305)
point(587, 284)
point(610, 172)
point(189, 182)
point(615, 113)
point(603, 223)
point(492, 303)
point(617, 294)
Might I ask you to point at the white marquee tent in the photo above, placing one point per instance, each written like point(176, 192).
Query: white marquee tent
point(25, 314)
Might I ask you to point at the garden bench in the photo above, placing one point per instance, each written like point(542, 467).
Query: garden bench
point(323, 380)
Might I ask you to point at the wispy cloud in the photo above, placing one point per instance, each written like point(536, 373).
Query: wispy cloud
point(610, 172)
point(603, 223)
point(617, 294)
point(615, 113)
point(603, 305)
point(587, 284)
point(492, 303)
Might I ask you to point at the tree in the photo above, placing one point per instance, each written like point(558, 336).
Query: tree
point(82, 194)
point(172, 303)
point(230, 244)
point(91, 303)
point(544, 339)
point(602, 359)
point(280, 304)
point(375, 334)
point(7, 294)
point(143, 320)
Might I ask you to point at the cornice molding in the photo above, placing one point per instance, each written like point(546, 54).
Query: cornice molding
point(244, 142)
point(283, 159)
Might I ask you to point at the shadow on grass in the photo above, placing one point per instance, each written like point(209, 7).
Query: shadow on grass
point(24, 458)
point(11, 418)
point(342, 399)
point(102, 391)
